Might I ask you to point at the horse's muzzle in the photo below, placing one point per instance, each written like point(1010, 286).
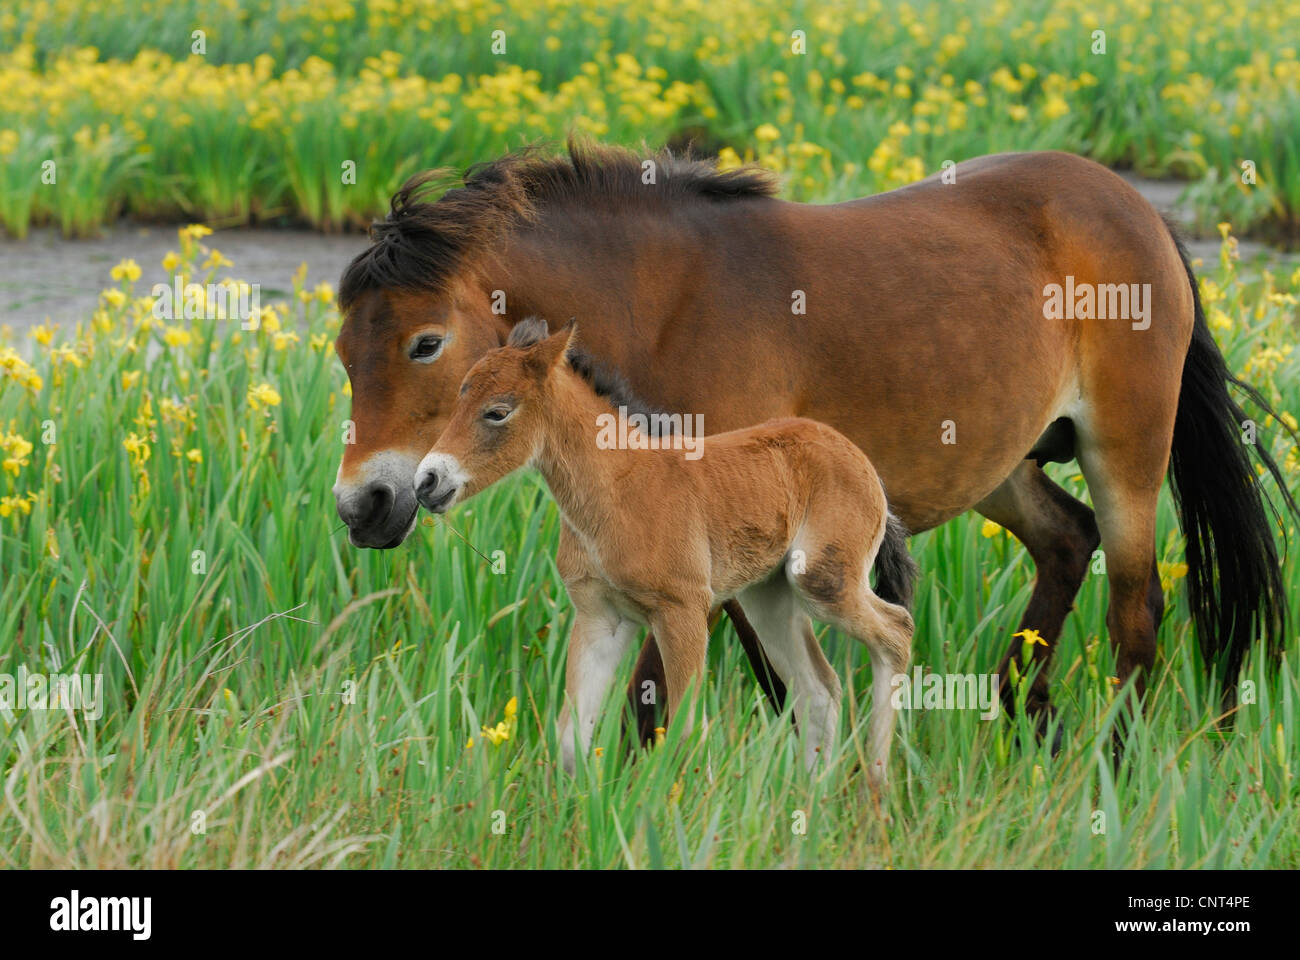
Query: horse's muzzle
point(378, 515)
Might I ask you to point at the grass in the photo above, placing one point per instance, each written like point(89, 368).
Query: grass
point(256, 123)
point(275, 697)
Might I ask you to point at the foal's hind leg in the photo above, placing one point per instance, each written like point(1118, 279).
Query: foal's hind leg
point(787, 638)
point(835, 588)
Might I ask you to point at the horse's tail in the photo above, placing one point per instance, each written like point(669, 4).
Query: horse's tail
point(896, 570)
point(1234, 577)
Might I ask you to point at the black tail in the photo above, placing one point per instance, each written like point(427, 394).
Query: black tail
point(895, 568)
point(1234, 577)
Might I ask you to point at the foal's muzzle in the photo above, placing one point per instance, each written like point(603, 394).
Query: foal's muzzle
point(436, 491)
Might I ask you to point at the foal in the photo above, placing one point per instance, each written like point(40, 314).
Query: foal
point(789, 515)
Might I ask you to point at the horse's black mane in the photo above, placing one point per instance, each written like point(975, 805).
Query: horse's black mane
point(423, 243)
point(608, 383)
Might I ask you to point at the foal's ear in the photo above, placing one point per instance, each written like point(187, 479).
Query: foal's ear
point(550, 352)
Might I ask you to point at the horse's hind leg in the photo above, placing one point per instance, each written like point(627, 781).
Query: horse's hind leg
point(1124, 471)
point(1060, 534)
point(790, 645)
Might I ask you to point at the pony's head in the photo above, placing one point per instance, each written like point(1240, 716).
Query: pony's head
point(499, 418)
point(416, 317)
point(421, 303)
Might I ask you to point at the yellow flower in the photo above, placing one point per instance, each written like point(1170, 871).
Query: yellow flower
point(504, 730)
point(1031, 637)
point(324, 293)
point(263, 395)
point(127, 269)
point(137, 447)
point(990, 529)
point(16, 445)
point(13, 505)
point(171, 261)
point(1055, 107)
point(728, 159)
point(497, 735)
point(41, 334)
point(177, 337)
point(16, 368)
point(194, 456)
point(114, 297)
point(282, 339)
point(1169, 573)
point(266, 319)
point(767, 132)
point(130, 378)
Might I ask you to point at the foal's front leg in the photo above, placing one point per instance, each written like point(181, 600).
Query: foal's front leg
point(682, 632)
point(598, 642)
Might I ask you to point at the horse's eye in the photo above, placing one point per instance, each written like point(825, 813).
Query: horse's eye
point(426, 349)
point(497, 414)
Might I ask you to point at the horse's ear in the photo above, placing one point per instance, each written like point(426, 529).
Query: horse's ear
point(551, 351)
point(527, 332)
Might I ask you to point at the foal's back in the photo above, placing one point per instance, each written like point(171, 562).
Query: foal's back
point(784, 485)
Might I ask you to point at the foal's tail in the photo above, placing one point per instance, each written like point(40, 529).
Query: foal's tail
point(1234, 577)
point(896, 570)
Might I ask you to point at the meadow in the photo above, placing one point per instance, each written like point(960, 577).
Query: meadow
point(273, 696)
point(276, 697)
point(230, 112)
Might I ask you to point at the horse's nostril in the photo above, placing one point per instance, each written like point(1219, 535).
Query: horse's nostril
point(371, 506)
point(381, 502)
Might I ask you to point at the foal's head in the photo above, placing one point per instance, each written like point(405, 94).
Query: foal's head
point(498, 422)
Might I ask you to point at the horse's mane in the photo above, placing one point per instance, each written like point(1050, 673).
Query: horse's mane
point(606, 382)
point(422, 243)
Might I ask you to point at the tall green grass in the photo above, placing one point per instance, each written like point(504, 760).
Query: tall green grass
point(306, 703)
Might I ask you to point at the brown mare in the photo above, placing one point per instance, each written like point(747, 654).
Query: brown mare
point(924, 338)
point(789, 515)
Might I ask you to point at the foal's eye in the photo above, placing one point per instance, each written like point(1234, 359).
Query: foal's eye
point(497, 414)
point(426, 349)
